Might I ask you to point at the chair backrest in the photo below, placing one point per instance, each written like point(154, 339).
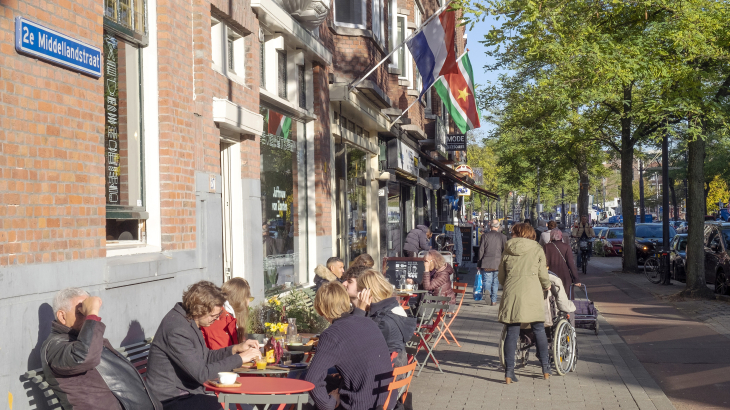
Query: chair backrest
point(395, 385)
point(460, 288)
point(136, 353)
point(310, 295)
point(428, 298)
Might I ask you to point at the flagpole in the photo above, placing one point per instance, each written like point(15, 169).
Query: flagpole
point(414, 102)
point(436, 14)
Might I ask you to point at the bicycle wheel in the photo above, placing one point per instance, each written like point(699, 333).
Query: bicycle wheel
point(652, 271)
point(563, 347)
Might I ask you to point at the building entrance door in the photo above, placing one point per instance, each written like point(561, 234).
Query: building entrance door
point(227, 211)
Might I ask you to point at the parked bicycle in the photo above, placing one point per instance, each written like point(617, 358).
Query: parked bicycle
point(654, 267)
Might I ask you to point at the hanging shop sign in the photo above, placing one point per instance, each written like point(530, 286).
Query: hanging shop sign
point(465, 170)
point(462, 191)
point(456, 142)
point(402, 157)
point(38, 41)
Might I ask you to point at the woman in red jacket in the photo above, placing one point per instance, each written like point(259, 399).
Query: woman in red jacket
point(437, 278)
point(230, 327)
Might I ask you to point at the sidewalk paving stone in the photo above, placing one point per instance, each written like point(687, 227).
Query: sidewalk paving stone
point(474, 379)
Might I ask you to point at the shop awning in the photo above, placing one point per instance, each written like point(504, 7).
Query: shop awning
point(457, 177)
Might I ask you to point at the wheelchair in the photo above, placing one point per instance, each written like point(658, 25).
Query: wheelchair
point(561, 340)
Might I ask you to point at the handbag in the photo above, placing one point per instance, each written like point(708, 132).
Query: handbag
point(572, 277)
point(478, 287)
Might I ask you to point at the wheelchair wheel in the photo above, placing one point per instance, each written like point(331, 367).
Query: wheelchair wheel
point(563, 347)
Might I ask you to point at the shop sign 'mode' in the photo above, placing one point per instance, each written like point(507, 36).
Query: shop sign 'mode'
point(37, 41)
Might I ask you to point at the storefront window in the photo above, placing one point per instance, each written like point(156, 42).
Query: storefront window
point(124, 171)
point(283, 226)
point(357, 202)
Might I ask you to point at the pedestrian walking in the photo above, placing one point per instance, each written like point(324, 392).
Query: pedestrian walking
point(545, 236)
point(490, 254)
point(418, 239)
point(559, 257)
point(524, 278)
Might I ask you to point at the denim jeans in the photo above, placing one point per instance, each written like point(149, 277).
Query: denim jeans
point(490, 282)
point(510, 346)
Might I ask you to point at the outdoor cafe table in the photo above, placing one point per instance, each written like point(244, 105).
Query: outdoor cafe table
point(406, 295)
point(263, 391)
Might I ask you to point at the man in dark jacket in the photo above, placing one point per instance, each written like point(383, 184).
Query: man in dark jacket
point(333, 271)
point(180, 362)
point(490, 254)
point(418, 239)
point(81, 366)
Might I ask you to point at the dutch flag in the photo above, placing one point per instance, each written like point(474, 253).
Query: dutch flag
point(433, 49)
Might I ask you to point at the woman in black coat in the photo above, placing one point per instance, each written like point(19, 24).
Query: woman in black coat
point(560, 260)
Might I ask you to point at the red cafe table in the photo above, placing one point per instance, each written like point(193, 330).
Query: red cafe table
point(263, 391)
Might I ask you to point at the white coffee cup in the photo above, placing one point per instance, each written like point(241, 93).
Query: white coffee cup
point(227, 377)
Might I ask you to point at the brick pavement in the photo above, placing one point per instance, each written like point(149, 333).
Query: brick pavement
point(608, 375)
point(714, 313)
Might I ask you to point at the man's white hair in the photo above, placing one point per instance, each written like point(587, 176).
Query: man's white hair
point(62, 301)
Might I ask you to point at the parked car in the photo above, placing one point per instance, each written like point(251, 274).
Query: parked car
point(649, 240)
point(678, 257)
point(717, 261)
point(679, 226)
point(614, 242)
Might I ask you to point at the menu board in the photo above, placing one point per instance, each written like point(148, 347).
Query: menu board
point(466, 243)
point(410, 268)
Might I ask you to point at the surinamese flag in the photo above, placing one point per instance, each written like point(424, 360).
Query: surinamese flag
point(433, 49)
point(457, 92)
point(279, 124)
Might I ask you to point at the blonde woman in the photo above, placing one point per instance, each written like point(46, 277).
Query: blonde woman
point(377, 301)
point(231, 325)
point(355, 346)
point(437, 278)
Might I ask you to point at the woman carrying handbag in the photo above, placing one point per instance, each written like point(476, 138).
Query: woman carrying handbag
point(560, 260)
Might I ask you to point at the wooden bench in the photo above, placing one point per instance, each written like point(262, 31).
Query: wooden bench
point(136, 353)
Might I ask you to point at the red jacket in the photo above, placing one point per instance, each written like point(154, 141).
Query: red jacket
point(221, 333)
point(438, 282)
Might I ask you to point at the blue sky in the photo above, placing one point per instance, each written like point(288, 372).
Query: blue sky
point(478, 57)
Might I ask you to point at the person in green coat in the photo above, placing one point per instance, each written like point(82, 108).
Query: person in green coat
point(524, 278)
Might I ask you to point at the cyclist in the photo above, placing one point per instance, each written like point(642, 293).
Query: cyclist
point(583, 231)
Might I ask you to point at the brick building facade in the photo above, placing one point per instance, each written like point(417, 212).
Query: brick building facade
point(221, 140)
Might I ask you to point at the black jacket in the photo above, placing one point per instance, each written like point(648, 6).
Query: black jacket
point(416, 240)
point(180, 362)
point(397, 328)
point(85, 371)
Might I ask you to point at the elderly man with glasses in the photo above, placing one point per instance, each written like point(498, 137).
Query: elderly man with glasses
point(82, 367)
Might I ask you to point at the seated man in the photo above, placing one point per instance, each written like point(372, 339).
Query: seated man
point(180, 362)
point(81, 366)
point(334, 270)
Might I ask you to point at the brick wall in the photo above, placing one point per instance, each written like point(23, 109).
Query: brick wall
point(51, 146)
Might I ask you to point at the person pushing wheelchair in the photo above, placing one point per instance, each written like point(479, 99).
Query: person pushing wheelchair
point(524, 277)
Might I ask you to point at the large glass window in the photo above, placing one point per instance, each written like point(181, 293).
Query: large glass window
point(284, 221)
point(378, 16)
point(282, 74)
point(123, 142)
point(357, 202)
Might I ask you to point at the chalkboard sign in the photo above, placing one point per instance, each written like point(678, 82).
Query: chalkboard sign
point(410, 268)
point(466, 243)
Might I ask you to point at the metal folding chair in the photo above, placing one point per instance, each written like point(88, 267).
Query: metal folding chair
point(428, 312)
point(395, 385)
point(459, 288)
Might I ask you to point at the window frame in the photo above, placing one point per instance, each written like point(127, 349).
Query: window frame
point(221, 62)
point(363, 20)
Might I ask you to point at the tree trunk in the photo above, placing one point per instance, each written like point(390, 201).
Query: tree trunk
point(627, 189)
point(674, 198)
point(584, 185)
point(695, 266)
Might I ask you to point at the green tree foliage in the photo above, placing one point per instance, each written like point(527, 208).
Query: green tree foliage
point(615, 72)
point(718, 192)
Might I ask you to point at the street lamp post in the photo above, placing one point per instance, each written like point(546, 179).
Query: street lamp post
point(665, 208)
point(641, 191)
point(562, 207)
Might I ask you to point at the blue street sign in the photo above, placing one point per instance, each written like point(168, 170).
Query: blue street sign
point(41, 42)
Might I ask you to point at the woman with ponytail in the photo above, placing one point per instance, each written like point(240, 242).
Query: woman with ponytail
point(230, 328)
